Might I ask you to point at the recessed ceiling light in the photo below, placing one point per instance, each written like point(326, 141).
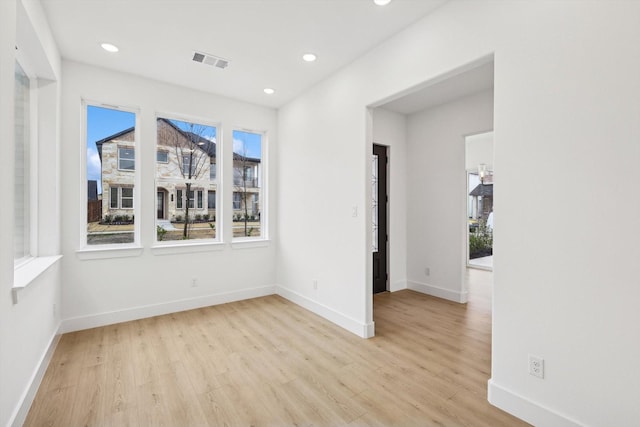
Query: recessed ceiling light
point(109, 47)
point(309, 57)
point(269, 91)
point(382, 2)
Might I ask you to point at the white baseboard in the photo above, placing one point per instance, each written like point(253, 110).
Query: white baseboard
point(397, 286)
point(22, 410)
point(525, 409)
point(436, 291)
point(363, 330)
point(141, 312)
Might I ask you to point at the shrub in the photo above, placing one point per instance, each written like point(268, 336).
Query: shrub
point(160, 233)
point(481, 241)
point(178, 218)
point(198, 217)
point(108, 219)
point(206, 217)
point(117, 219)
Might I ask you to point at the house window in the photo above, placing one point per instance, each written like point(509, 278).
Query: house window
point(211, 200)
point(162, 157)
point(126, 158)
point(178, 199)
point(237, 201)
point(121, 198)
point(114, 197)
point(247, 178)
point(189, 165)
point(190, 200)
point(126, 198)
point(111, 175)
point(199, 199)
point(193, 152)
point(22, 184)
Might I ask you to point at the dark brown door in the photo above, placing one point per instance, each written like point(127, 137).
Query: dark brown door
point(379, 217)
point(160, 204)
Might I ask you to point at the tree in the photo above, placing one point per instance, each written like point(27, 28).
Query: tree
point(241, 180)
point(193, 148)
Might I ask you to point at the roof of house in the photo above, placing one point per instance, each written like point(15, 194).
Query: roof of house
point(482, 190)
point(204, 144)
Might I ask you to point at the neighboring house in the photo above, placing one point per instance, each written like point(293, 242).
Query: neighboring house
point(181, 157)
point(483, 200)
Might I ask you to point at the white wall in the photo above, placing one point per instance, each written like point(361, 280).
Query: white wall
point(479, 150)
point(111, 289)
point(28, 329)
point(437, 187)
point(390, 129)
point(567, 102)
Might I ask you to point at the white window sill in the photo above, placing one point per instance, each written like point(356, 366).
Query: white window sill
point(102, 252)
point(166, 248)
point(26, 273)
point(250, 243)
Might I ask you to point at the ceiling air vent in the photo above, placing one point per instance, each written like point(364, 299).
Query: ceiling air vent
point(214, 61)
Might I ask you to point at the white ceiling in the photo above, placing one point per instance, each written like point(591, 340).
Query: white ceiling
point(263, 39)
point(456, 86)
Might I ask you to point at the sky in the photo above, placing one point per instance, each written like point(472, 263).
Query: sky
point(103, 122)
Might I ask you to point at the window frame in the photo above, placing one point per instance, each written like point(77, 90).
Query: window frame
point(202, 185)
point(260, 178)
point(110, 250)
point(120, 158)
point(166, 153)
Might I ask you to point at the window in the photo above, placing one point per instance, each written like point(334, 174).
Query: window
point(199, 199)
point(247, 176)
point(189, 165)
point(162, 157)
point(121, 198)
point(191, 173)
point(212, 171)
point(179, 199)
point(211, 200)
point(126, 198)
point(111, 174)
point(22, 190)
point(126, 158)
point(114, 198)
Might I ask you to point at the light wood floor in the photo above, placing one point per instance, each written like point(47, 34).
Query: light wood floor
point(268, 362)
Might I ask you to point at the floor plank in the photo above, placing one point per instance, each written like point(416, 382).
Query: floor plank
point(269, 362)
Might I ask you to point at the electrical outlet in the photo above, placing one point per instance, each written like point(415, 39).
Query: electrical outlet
point(427, 271)
point(536, 366)
point(194, 283)
point(315, 285)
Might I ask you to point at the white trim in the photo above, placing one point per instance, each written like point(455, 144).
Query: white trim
point(363, 330)
point(525, 409)
point(26, 400)
point(141, 312)
point(436, 291)
point(250, 243)
point(26, 273)
point(194, 246)
point(109, 251)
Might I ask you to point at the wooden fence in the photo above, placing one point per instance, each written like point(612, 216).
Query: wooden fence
point(94, 210)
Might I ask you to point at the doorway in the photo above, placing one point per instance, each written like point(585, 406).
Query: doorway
point(479, 169)
point(161, 204)
point(380, 236)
